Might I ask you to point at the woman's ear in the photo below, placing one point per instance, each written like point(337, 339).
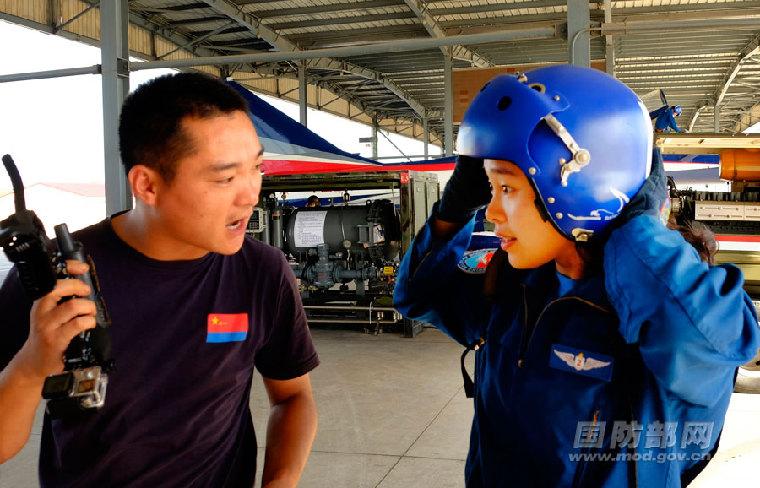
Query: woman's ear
point(144, 182)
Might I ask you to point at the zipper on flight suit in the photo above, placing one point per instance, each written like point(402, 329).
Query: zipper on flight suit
point(583, 462)
point(525, 340)
point(526, 334)
point(529, 331)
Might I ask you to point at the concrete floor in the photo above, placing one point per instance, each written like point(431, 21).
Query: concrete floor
point(393, 415)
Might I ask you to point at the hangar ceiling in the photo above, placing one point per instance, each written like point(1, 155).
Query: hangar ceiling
point(700, 52)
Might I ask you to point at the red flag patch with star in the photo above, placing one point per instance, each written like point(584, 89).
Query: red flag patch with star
point(227, 327)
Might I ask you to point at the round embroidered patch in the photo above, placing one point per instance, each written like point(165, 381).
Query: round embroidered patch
point(476, 261)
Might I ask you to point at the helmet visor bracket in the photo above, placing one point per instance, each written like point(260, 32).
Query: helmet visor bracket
point(581, 156)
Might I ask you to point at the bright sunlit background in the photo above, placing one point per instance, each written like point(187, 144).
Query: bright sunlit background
point(54, 128)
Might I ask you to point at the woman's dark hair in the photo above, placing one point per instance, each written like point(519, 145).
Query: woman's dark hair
point(699, 236)
point(592, 255)
point(150, 125)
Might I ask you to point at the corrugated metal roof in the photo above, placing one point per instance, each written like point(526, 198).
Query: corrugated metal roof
point(696, 66)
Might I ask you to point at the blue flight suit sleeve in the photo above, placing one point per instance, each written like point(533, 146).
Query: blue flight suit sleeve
point(431, 288)
point(694, 323)
point(672, 122)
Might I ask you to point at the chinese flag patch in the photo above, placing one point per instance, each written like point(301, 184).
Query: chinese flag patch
point(227, 327)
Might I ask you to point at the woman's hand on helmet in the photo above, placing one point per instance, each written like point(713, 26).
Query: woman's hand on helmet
point(652, 196)
point(467, 191)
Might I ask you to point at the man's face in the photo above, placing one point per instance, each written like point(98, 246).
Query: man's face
point(207, 205)
point(529, 240)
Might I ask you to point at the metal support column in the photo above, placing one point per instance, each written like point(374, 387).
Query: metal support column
point(425, 135)
point(448, 112)
point(114, 55)
point(374, 138)
point(578, 39)
point(609, 43)
point(303, 94)
point(716, 119)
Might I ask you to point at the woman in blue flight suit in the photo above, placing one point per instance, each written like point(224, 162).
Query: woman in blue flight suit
point(606, 349)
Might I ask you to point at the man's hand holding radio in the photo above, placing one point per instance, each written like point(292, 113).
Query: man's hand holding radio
point(53, 323)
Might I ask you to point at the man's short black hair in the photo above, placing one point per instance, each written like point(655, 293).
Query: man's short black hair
point(150, 130)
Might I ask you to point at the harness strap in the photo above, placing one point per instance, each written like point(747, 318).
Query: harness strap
point(469, 386)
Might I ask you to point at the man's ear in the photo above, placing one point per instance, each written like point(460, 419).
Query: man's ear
point(145, 183)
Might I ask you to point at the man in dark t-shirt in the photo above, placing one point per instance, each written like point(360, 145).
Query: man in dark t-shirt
point(195, 306)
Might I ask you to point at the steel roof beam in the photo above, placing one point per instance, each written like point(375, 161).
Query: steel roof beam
point(320, 9)
point(341, 79)
point(221, 48)
point(173, 9)
point(171, 35)
point(55, 73)
point(697, 34)
point(693, 14)
point(689, 58)
point(195, 41)
point(431, 25)
point(419, 57)
point(674, 52)
point(418, 74)
point(419, 80)
point(194, 20)
point(226, 29)
point(344, 37)
point(283, 44)
point(733, 41)
point(423, 84)
point(326, 23)
point(497, 7)
point(724, 45)
point(710, 83)
point(751, 49)
point(688, 92)
point(675, 75)
point(719, 65)
point(714, 10)
point(706, 88)
point(400, 45)
point(665, 71)
point(548, 19)
point(663, 21)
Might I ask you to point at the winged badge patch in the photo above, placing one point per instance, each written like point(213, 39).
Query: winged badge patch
point(586, 363)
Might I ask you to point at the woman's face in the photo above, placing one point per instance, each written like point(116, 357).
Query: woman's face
point(529, 240)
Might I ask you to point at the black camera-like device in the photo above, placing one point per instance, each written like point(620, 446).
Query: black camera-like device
point(40, 263)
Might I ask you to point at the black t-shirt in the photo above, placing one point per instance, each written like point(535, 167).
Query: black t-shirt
point(186, 336)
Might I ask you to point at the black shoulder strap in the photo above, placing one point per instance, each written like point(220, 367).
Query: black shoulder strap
point(469, 385)
point(490, 288)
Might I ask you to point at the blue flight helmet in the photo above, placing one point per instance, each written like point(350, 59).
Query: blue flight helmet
point(677, 109)
point(583, 139)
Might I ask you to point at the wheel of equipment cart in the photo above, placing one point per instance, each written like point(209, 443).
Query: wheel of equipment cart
point(412, 328)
